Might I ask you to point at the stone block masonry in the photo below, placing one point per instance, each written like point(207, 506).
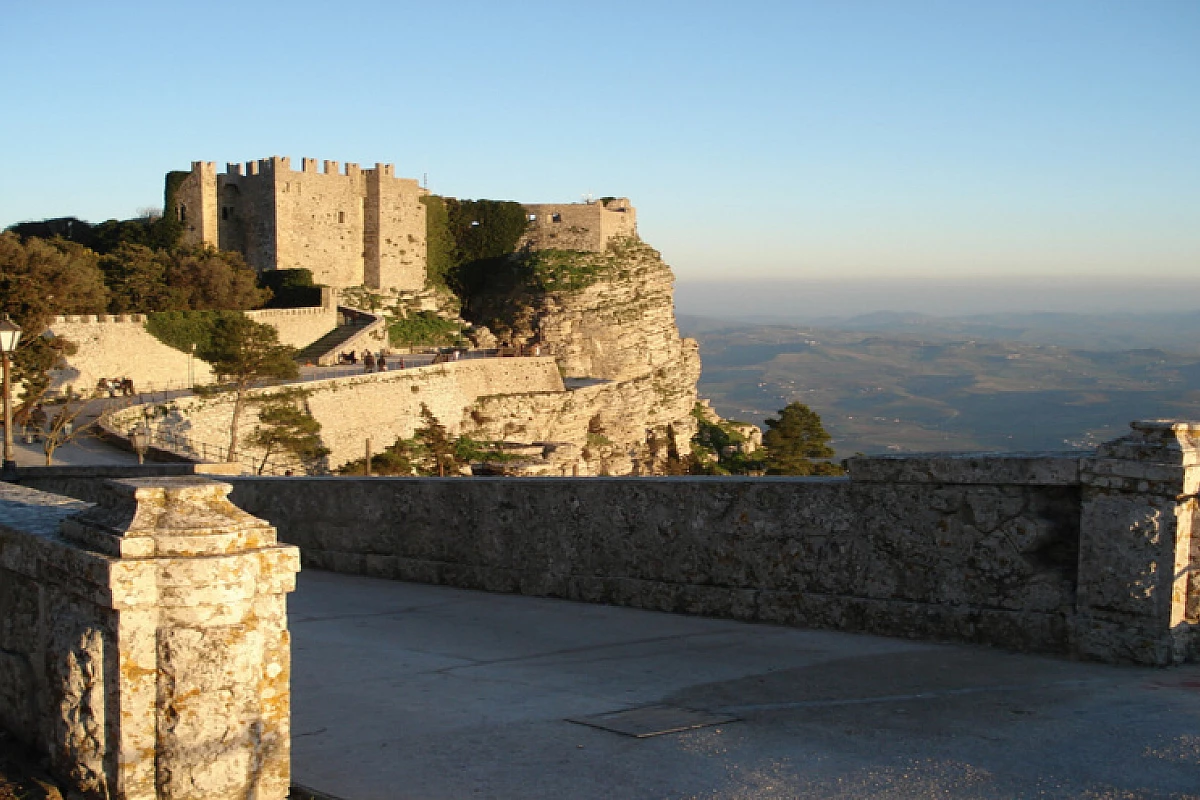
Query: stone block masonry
point(144, 644)
point(1094, 556)
point(351, 227)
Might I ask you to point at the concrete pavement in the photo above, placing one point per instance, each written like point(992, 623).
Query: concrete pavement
point(411, 691)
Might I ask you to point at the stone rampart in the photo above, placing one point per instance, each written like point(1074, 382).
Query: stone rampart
point(118, 346)
point(144, 645)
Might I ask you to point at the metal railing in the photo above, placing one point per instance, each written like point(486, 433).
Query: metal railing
point(188, 447)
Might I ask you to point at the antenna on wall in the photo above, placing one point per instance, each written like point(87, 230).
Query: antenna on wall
point(424, 180)
point(588, 197)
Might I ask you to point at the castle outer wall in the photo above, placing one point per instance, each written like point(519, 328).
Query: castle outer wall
point(348, 226)
point(579, 226)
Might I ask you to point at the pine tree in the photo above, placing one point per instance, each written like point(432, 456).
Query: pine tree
point(794, 440)
point(437, 441)
point(244, 352)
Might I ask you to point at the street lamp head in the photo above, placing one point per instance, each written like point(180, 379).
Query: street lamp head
point(10, 334)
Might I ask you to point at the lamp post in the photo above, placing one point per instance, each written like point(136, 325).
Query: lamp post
point(139, 437)
point(10, 335)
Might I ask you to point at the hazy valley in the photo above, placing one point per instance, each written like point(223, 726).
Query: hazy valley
point(904, 382)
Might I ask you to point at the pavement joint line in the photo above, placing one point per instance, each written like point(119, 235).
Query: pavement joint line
point(370, 614)
point(587, 649)
point(901, 698)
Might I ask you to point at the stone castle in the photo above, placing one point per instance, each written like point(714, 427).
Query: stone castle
point(352, 226)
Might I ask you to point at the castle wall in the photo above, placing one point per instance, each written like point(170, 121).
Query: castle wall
point(579, 226)
point(247, 211)
point(395, 247)
point(349, 227)
point(319, 223)
point(379, 406)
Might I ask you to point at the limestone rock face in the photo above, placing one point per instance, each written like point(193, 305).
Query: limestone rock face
point(621, 326)
point(609, 320)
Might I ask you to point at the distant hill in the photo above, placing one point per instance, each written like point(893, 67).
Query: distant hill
point(911, 383)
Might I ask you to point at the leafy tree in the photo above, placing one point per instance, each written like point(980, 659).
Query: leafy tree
point(137, 279)
point(287, 427)
point(212, 279)
point(38, 279)
point(795, 440)
point(243, 352)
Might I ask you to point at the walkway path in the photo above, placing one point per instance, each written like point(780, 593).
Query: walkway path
point(410, 691)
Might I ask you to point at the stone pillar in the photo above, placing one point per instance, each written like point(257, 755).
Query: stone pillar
point(170, 676)
point(1139, 556)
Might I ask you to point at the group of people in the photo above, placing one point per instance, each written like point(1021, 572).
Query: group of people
point(115, 386)
point(373, 363)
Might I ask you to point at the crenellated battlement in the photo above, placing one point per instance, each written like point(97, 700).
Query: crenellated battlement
point(350, 226)
point(98, 319)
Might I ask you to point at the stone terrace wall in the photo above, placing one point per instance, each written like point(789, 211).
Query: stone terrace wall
point(143, 642)
point(115, 346)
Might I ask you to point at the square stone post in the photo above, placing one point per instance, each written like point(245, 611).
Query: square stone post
point(1139, 555)
point(177, 687)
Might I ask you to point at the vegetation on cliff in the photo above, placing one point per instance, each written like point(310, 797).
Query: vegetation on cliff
point(430, 451)
point(504, 293)
point(425, 328)
point(795, 443)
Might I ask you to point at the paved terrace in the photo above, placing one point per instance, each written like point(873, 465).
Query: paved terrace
point(413, 691)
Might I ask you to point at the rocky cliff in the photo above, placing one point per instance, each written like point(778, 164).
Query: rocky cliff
point(608, 319)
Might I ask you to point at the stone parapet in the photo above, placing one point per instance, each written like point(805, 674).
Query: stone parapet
point(145, 645)
point(1020, 469)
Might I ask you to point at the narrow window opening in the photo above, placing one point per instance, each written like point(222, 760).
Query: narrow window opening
point(182, 213)
point(224, 212)
point(341, 216)
point(556, 217)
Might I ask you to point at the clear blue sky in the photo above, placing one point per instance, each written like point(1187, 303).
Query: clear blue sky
point(790, 140)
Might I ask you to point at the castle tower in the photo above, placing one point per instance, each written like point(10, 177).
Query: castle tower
point(353, 228)
point(196, 204)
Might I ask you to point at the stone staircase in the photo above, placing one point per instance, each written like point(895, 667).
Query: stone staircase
point(347, 336)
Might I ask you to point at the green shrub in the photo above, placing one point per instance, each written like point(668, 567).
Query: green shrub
point(424, 328)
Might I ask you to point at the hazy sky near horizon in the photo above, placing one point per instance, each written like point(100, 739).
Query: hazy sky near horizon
point(759, 140)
